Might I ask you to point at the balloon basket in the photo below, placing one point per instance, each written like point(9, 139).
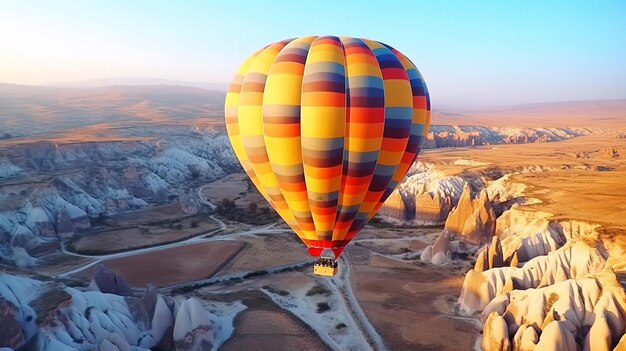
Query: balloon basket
point(325, 267)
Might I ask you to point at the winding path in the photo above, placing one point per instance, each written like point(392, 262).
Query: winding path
point(203, 200)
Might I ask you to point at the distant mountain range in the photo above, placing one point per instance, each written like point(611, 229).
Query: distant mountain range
point(27, 110)
point(134, 81)
point(587, 114)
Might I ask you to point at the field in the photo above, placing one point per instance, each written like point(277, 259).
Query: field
point(130, 235)
point(576, 179)
point(174, 265)
point(235, 187)
point(410, 303)
point(267, 251)
point(270, 328)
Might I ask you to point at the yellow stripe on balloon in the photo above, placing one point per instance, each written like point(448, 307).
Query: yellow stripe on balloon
point(281, 118)
point(251, 128)
point(322, 125)
point(232, 123)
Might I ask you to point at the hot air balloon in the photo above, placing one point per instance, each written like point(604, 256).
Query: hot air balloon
point(326, 128)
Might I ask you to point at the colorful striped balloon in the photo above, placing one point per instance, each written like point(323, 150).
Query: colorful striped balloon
point(326, 128)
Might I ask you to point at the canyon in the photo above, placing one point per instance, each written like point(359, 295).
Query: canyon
point(510, 233)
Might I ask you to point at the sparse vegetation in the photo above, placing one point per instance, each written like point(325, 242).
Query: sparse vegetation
point(252, 214)
point(255, 273)
point(116, 234)
point(551, 300)
point(317, 290)
point(227, 204)
point(323, 307)
point(272, 290)
point(253, 207)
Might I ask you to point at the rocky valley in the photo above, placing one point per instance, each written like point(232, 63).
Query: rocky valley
point(136, 229)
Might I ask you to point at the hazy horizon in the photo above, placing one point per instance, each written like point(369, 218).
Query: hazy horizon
point(221, 87)
point(475, 54)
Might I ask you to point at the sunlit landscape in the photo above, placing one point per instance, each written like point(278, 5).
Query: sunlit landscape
point(127, 221)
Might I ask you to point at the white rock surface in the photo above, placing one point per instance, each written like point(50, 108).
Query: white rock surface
point(557, 336)
point(574, 260)
point(473, 219)
point(63, 318)
point(9, 170)
point(441, 251)
point(193, 329)
point(100, 178)
point(427, 254)
point(495, 334)
point(591, 309)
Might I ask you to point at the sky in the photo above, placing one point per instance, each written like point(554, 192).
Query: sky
point(471, 53)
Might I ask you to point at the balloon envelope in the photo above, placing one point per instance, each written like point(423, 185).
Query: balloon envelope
point(326, 128)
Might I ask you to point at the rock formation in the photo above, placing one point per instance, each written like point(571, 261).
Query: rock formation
point(573, 260)
point(474, 220)
point(426, 196)
point(495, 334)
point(192, 330)
point(490, 256)
point(8, 170)
point(432, 208)
point(51, 317)
point(525, 338)
point(11, 334)
point(107, 281)
point(610, 152)
point(440, 252)
point(98, 178)
point(427, 254)
point(528, 234)
point(495, 258)
point(587, 313)
point(188, 203)
point(398, 207)
point(462, 136)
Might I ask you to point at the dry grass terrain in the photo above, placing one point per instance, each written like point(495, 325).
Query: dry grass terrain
point(409, 303)
point(172, 266)
point(59, 262)
point(271, 329)
point(588, 114)
point(232, 187)
point(117, 240)
point(147, 215)
point(267, 251)
point(108, 132)
point(574, 179)
point(235, 187)
point(263, 325)
point(394, 247)
point(142, 228)
point(65, 115)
